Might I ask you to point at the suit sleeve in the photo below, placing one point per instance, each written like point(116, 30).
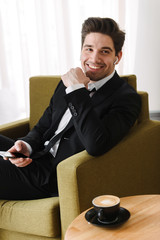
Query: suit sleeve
point(100, 128)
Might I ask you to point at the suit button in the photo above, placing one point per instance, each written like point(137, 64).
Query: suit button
point(74, 112)
point(70, 104)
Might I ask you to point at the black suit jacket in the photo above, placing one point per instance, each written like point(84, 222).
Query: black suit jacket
point(98, 123)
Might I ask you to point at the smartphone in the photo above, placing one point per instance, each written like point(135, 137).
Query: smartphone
point(12, 155)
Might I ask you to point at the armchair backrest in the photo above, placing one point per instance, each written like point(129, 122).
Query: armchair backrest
point(144, 114)
point(41, 91)
point(43, 87)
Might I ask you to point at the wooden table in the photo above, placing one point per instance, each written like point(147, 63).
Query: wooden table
point(144, 222)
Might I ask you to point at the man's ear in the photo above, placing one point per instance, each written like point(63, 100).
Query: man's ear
point(116, 61)
point(119, 56)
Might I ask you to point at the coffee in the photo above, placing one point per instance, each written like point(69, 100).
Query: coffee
point(106, 201)
point(107, 208)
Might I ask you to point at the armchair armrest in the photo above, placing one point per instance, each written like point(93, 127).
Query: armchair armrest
point(131, 167)
point(15, 129)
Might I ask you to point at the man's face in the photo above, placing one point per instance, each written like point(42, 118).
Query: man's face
point(98, 56)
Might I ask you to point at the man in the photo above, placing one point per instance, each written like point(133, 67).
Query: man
point(94, 121)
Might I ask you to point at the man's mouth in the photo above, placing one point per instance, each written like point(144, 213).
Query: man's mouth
point(94, 67)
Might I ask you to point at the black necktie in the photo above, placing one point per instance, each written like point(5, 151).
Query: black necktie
point(93, 90)
point(55, 138)
point(91, 93)
point(52, 141)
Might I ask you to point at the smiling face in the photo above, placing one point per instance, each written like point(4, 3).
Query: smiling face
point(98, 56)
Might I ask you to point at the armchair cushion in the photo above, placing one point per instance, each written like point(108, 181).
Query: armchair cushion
point(36, 217)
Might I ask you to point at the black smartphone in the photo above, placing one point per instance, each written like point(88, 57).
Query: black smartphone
point(12, 155)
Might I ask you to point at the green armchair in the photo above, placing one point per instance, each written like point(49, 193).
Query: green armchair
point(131, 167)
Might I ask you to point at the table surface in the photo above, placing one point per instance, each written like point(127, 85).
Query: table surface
point(144, 222)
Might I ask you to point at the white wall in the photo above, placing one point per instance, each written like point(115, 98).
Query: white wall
point(147, 52)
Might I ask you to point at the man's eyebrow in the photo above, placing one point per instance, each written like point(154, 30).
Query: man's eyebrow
point(87, 45)
point(108, 48)
point(104, 48)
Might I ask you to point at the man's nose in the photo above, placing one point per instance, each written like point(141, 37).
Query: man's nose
point(95, 57)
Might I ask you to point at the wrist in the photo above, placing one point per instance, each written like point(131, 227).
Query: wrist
point(29, 148)
point(74, 87)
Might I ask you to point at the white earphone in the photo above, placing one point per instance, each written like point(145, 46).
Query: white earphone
point(115, 61)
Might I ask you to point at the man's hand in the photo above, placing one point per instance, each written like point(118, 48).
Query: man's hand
point(20, 147)
point(75, 76)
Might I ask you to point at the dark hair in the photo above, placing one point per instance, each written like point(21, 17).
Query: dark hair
point(105, 26)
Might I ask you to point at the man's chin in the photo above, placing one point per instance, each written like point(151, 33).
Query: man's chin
point(93, 76)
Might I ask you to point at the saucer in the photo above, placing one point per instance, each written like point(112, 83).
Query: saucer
point(91, 217)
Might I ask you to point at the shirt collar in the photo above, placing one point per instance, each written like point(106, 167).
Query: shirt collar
point(97, 85)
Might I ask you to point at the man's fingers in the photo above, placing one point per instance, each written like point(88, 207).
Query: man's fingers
point(18, 145)
point(21, 162)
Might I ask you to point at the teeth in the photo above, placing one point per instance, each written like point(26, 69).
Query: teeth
point(94, 67)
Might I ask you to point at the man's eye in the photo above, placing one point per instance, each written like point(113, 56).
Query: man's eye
point(105, 52)
point(89, 49)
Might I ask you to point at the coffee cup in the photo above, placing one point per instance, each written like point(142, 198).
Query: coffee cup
point(107, 208)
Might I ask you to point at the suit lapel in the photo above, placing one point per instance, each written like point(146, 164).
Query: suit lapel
point(107, 89)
